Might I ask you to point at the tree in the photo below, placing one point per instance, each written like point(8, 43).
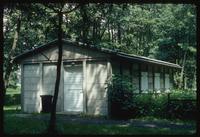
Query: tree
point(60, 12)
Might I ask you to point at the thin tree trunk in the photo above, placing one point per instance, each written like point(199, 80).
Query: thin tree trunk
point(185, 82)
point(194, 81)
point(182, 70)
point(85, 23)
point(109, 32)
point(112, 34)
point(52, 121)
point(3, 91)
point(9, 66)
point(119, 33)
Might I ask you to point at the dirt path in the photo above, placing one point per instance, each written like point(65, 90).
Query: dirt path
point(101, 120)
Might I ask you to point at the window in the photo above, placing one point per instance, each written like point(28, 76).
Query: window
point(135, 75)
point(150, 78)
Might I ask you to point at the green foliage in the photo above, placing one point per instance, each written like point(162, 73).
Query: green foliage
point(150, 105)
point(156, 105)
point(183, 109)
point(13, 96)
point(125, 104)
point(120, 92)
point(163, 31)
point(12, 109)
point(12, 99)
point(183, 94)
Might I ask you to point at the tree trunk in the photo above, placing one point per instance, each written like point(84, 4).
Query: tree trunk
point(2, 93)
point(194, 81)
point(52, 121)
point(109, 37)
point(9, 66)
point(182, 71)
point(119, 33)
point(85, 23)
point(112, 34)
point(185, 82)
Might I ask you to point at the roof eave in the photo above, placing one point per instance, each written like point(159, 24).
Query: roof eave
point(113, 52)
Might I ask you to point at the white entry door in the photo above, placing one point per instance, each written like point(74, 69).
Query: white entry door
point(73, 88)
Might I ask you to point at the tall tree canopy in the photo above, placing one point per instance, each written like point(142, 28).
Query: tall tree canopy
point(162, 31)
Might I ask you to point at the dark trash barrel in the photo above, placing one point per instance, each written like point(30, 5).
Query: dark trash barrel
point(46, 103)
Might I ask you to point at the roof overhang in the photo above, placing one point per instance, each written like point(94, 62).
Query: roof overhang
point(114, 53)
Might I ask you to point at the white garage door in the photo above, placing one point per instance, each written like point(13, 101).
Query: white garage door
point(73, 88)
point(31, 87)
point(49, 79)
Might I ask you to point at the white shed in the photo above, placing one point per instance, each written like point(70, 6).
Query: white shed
point(84, 73)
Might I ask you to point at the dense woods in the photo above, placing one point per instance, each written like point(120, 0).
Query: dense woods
point(162, 31)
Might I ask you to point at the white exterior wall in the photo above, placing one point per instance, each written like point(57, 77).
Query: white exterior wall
point(97, 74)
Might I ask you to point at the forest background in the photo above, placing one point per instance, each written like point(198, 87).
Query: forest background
point(162, 31)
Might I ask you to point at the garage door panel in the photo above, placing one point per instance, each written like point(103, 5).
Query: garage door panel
point(49, 78)
point(31, 70)
point(73, 86)
point(31, 86)
point(73, 92)
point(71, 80)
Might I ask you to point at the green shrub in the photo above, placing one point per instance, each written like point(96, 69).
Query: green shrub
point(183, 94)
point(12, 99)
point(126, 104)
point(157, 105)
point(120, 97)
point(150, 104)
point(183, 109)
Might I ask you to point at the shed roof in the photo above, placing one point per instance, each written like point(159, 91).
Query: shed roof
point(105, 50)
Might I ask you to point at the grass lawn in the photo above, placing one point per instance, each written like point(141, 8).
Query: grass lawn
point(19, 125)
point(13, 125)
point(11, 91)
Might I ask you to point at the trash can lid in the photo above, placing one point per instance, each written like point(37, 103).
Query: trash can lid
point(46, 96)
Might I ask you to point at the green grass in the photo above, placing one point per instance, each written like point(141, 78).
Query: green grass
point(12, 96)
point(15, 125)
point(19, 125)
point(176, 121)
point(10, 91)
point(12, 109)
